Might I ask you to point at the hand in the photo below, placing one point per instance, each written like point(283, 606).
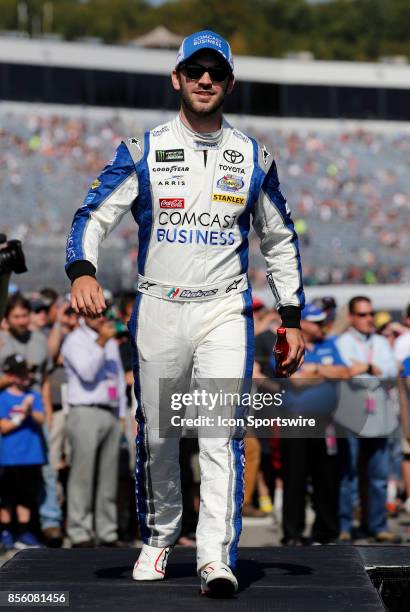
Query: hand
point(87, 297)
point(27, 404)
point(61, 312)
point(295, 357)
point(9, 379)
point(358, 367)
point(107, 332)
point(310, 368)
point(376, 371)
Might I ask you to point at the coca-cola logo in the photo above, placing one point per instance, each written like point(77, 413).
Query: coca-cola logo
point(171, 202)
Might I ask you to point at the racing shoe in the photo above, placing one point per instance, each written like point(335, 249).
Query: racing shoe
point(151, 563)
point(27, 540)
point(217, 580)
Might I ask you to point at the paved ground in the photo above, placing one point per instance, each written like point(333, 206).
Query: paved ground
point(267, 532)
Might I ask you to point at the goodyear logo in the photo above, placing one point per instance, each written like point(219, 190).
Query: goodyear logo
point(96, 184)
point(228, 199)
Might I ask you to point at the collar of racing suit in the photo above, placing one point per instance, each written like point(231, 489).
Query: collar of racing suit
point(199, 140)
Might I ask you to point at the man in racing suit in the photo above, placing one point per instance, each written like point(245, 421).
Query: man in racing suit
point(192, 186)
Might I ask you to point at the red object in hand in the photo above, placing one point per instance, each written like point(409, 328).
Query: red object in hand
point(281, 351)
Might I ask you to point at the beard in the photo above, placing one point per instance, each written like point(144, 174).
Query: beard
point(199, 111)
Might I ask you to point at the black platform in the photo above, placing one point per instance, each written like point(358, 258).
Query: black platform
point(323, 578)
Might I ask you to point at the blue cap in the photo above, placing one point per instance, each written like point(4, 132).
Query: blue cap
point(206, 39)
point(313, 313)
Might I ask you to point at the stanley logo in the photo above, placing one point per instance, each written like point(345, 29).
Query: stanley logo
point(228, 199)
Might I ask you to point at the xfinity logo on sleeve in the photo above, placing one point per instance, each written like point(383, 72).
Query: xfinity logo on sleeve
point(171, 202)
point(169, 155)
point(233, 157)
point(160, 131)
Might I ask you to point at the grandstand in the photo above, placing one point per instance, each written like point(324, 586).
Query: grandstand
point(45, 70)
point(347, 181)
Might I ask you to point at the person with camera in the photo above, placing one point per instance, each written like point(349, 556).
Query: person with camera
point(21, 454)
point(97, 401)
point(11, 260)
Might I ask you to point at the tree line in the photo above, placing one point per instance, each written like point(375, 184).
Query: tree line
point(335, 30)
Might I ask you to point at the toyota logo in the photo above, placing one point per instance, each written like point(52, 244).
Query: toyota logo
point(233, 157)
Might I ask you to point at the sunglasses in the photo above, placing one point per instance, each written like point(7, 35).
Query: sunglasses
point(217, 73)
point(364, 314)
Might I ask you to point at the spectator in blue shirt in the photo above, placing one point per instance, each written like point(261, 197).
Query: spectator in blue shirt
point(21, 453)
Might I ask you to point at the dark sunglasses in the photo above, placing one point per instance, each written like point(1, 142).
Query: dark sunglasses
point(217, 73)
point(364, 314)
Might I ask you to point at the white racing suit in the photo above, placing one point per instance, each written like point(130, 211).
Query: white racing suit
point(192, 197)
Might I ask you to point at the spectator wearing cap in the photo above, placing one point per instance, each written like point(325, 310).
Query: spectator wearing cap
point(32, 344)
point(314, 394)
point(96, 396)
point(38, 316)
point(21, 453)
point(368, 417)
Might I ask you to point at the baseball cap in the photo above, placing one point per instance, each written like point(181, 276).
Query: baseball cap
point(15, 364)
point(38, 304)
point(382, 318)
point(313, 313)
point(205, 39)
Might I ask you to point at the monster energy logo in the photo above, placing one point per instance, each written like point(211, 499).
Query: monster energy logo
point(169, 155)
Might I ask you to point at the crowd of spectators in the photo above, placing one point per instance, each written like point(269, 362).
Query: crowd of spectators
point(67, 450)
point(349, 191)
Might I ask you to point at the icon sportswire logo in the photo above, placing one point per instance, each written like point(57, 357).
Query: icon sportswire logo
point(172, 203)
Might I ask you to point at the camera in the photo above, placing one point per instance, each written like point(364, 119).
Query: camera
point(11, 256)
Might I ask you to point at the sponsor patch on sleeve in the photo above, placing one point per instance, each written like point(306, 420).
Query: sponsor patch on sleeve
point(228, 199)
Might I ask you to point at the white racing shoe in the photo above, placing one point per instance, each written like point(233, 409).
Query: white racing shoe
point(151, 563)
point(217, 580)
